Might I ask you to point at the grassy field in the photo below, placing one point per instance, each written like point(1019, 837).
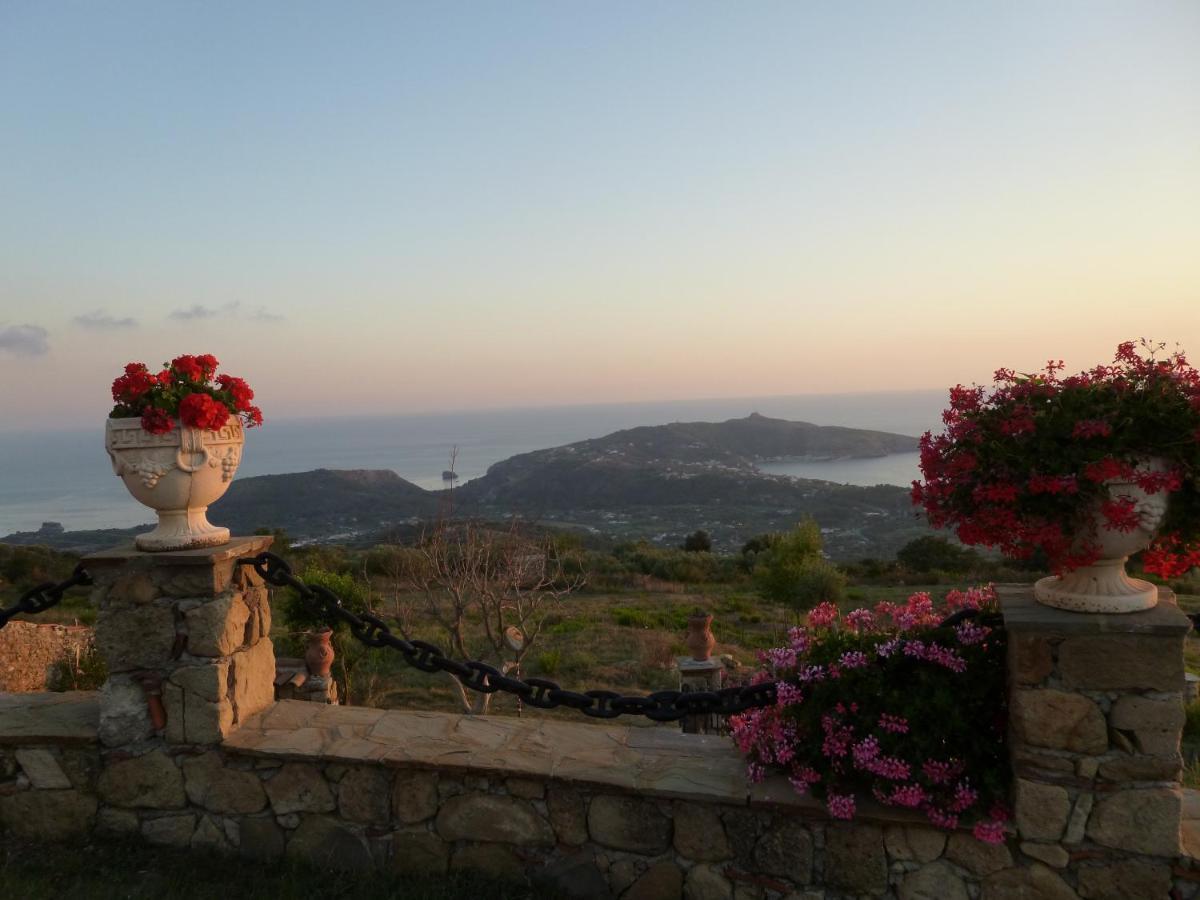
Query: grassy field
point(117, 871)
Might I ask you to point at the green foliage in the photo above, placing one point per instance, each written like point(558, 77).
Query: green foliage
point(299, 617)
point(793, 572)
point(925, 554)
point(85, 671)
point(282, 543)
point(698, 541)
point(23, 567)
point(669, 618)
point(548, 661)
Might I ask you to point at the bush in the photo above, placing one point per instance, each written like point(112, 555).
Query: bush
point(931, 552)
point(792, 571)
point(698, 541)
point(297, 614)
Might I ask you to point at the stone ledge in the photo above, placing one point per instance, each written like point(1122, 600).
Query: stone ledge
point(71, 717)
point(1023, 613)
point(204, 556)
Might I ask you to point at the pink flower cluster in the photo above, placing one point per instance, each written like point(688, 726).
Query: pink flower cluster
point(831, 734)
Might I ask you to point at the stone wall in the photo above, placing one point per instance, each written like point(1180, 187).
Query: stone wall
point(600, 810)
point(29, 651)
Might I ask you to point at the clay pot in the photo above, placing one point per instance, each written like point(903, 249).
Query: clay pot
point(700, 638)
point(177, 474)
point(319, 656)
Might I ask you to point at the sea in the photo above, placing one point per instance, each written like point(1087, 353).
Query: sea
point(66, 477)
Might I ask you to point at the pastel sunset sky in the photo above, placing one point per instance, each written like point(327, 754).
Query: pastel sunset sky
point(399, 207)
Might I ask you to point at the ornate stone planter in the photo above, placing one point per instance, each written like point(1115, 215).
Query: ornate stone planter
point(1105, 586)
point(177, 474)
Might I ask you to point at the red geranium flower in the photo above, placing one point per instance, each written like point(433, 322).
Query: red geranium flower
point(188, 367)
point(202, 411)
point(156, 421)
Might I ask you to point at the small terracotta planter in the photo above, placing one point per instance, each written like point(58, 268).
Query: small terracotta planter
point(700, 638)
point(319, 656)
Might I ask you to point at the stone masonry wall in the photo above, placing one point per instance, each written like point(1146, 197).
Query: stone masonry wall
point(1096, 718)
point(29, 650)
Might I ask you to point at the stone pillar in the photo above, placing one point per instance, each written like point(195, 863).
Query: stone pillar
point(700, 675)
point(1096, 711)
point(190, 626)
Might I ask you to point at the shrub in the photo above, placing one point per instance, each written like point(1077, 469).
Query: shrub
point(932, 552)
point(698, 541)
point(548, 661)
point(891, 705)
point(793, 571)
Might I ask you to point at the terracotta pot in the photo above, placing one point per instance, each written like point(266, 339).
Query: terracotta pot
point(1105, 586)
point(177, 474)
point(700, 638)
point(319, 656)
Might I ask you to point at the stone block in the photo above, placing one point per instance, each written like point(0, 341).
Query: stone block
point(1142, 768)
point(977, 857)
point(913, 844)
point(576, 876)
point(204, 722)
point(496, 861)
point(42, 769)
point(134, 588)
point(419, 853)
point(854, 859)
point(1122, 662)
point(662, 881)
point(261, 839)
point(253, 680)
point(327, 844)
point(785, 849)
point(118, 822)
point(47, 815)
point(172, 697)
point(206, 681)
point(209, 783)
point(705, 882)
point(414, 796)
point(1077, 824)
point(210, 835)
point(699, 834)
point(933, 881)
point(217, 627)
point(494, 818)
point(526, 788)
point(141, 637)
point(1051, 854)
point(1041, 811)
point(364, 795)
point(1137, 713)
point(1138, 820)
point(568, 815)
point(206, 580)
point(299, 787)
point(1125, 879)
point(1030, 658)
point(124, 716)
point(170, 831)
point(628, 823)
point(1059, 720)
point(1035, 882)
point(150, 781)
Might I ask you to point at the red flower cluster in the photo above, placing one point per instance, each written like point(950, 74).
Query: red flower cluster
point(188, 389)
point(1027, 466)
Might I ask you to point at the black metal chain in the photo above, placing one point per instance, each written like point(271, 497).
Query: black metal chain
point(43, 596)
point(661, 706)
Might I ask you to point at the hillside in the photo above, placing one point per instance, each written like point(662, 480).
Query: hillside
point(656, 483)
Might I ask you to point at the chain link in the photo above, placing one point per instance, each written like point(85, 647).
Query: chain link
point(662, 706)
point(41, 597)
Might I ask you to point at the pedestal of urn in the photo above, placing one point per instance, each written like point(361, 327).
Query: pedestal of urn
point(1105, 586)
point(177, 474)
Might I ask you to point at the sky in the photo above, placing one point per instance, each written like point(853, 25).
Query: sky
point(401, 207)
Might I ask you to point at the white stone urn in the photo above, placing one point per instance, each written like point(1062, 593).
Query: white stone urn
point(177, 474)
point(1104, 586)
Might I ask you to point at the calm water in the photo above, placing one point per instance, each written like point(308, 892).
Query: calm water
point(65, 476)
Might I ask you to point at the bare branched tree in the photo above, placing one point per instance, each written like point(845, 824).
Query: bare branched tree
point(487, 590)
